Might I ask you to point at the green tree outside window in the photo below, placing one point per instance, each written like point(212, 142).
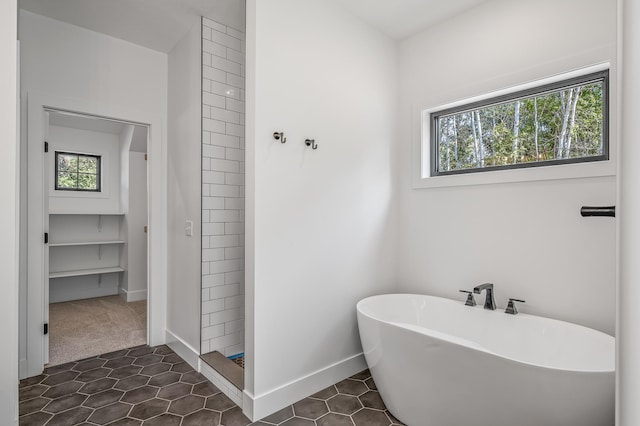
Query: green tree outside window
point(77, 172)
point(563, 124)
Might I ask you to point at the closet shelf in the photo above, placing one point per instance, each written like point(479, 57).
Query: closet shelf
point(85, 243)
point(86, 213)
point(81, 272)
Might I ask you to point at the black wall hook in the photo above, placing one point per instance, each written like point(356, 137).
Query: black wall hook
point(311, 143)
point(279, 136)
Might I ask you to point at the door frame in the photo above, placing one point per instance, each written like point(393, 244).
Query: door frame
point(37, 218)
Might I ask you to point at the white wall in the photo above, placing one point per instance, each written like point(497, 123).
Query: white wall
point(223, 82)
point(318, 221)
point(71, 62)
point(183, 292)
point(9, 214)
point(527, 238)
point(228, 12)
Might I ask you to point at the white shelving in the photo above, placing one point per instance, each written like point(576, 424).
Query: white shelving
point(115, 213)
point(81, 272)
point(85, 244)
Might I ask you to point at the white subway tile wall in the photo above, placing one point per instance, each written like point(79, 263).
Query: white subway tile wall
point(223, 59)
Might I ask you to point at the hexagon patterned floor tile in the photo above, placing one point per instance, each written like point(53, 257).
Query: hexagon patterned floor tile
point(145, 386)
point(134, 387)
point(351, 402)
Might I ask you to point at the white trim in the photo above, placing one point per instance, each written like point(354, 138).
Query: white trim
point(183, 349)
point(37, 103)
point(227, 388)
point(22, 367)
point(9, 211)
point(260, 406)
point(421, 143)
point(622, 174)
point(247, 404)
point(133, 295)
point(36, 255)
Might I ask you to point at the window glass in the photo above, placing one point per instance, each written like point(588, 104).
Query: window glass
point(564, 122)
point(77, 172)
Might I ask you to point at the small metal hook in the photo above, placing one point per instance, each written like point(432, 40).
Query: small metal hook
point(311, 143)
point(279, 136)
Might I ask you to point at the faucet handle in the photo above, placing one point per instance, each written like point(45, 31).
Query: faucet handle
point(511, 306)
point(471, 301)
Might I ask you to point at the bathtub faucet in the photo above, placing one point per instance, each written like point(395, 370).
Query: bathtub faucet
point(489, 301)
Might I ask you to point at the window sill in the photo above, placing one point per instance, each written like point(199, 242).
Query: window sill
point(555, 172)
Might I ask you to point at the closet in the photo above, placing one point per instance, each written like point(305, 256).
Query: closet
point(96, 238)
point(96, 207)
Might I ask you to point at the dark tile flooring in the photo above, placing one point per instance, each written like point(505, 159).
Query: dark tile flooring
point(154, 386)
point(353, 401)
point(138, 386)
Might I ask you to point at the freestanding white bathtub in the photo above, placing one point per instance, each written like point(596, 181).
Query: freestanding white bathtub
point(437, 362)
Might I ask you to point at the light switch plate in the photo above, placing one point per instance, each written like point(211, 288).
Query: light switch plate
point(188, 228)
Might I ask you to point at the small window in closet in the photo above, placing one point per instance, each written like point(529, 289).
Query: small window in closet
point(77, 172)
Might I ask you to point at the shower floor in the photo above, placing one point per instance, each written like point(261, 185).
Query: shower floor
point(238, 359)
point(231, 371)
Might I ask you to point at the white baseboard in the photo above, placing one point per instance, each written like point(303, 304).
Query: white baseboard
point(183, 349)
point(221, 383)
point(134, 295)
point(260, 406)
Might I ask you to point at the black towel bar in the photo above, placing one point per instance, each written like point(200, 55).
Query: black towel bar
point(609, 211)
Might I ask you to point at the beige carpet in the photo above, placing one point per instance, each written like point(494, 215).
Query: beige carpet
point(89, 327)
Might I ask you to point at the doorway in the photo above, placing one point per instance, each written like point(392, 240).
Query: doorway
point(96, 184)
point(91, 265)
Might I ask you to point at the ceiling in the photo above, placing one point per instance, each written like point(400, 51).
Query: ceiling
point(400, 19)
point(156, 24)
point(160, 24)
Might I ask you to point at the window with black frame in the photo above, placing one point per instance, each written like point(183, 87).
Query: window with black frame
point(77, 172)
point(559, 123)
